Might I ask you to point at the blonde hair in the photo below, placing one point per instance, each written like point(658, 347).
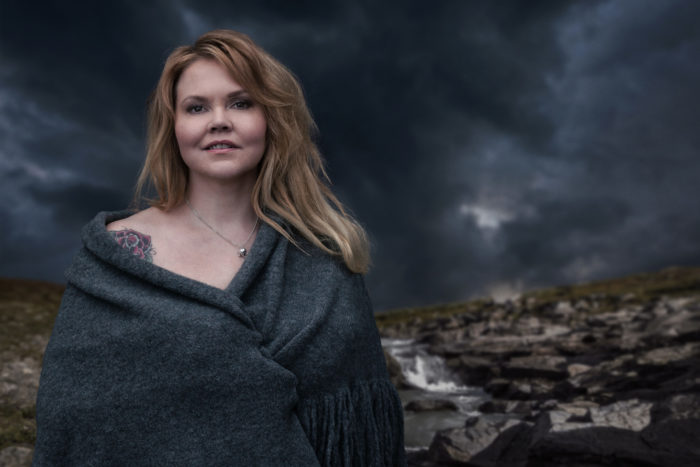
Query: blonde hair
point(292, 181)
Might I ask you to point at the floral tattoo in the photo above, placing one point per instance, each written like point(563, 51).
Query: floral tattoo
point(137, 243)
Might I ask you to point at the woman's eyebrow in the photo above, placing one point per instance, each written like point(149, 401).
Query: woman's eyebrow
point(240, 92)
point(231, 95)
point(196, 99)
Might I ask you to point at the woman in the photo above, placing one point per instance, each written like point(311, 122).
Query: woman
point(228, 323)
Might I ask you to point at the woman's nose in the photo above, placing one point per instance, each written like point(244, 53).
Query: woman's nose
point(219, 121)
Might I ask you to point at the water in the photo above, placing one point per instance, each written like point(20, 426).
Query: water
point(432, 379)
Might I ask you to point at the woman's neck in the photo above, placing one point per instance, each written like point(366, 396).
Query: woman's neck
point(225, 206)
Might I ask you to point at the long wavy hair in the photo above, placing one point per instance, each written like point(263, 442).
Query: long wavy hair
point(292, 181)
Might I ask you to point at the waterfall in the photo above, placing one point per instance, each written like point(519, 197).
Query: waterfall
point(421, 369)
point(431, 378)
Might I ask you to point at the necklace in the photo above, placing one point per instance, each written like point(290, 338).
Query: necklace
point(242, 251)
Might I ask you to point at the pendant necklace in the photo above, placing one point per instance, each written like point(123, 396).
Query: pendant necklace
point(242, 251)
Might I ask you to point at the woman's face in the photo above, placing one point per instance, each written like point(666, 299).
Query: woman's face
point(219, 129)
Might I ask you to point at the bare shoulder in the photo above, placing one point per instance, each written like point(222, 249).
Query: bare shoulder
point(134, 233)
point(146, 220)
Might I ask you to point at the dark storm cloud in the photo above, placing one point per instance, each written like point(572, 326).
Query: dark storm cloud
point(621, 137)
point(78, 202)
point(487, 146)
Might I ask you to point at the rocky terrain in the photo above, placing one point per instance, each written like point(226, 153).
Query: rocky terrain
point(27, 312)
point(606, 373)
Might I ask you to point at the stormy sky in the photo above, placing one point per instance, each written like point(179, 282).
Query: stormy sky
point(488, 147)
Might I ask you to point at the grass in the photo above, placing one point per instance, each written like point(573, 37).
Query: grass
point(608, 295)
point(669, 282)
point(27, 312)
point(27, 309)
point(428, 313)
point(17, 426)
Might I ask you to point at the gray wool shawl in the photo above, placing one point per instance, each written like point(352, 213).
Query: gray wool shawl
point(148, 367)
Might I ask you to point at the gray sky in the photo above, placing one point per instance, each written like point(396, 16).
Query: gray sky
point(488, 147)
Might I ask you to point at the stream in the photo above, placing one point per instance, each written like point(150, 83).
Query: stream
point(431, 379)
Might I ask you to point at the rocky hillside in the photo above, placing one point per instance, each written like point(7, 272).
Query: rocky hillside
point(27, 312)
point(606, 373)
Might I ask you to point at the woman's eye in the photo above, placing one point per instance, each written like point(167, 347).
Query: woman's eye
point(195, 109)
point(241, 104)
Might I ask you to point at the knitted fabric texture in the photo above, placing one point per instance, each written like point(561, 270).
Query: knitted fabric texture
point(148, 367)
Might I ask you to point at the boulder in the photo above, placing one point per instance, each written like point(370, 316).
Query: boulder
point(425, 405)
point(675, 427)
point(523, 408)
point(599, 379)
point(19, 381)
point(665, 355)
point(16, 456)
point(472, 370)
point(535, 366)
point(395, 373)
point(624, 433)
point(576, 369)
point(475, 443)
point(627, 415)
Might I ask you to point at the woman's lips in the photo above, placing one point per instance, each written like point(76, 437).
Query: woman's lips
point(221, 146)
point(221, 150)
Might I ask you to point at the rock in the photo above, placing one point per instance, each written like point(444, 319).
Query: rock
point(475, 442)
point(522, 389)
point(418, 458)
point(19, 381)
point(628, 297)
point(498, 387)
point(579, 411)
point(680, 326)
point(577, 368)
point(494, 348)
point(428, 326)
point(450, 323)
point(676, 428)
point(555, 442)
point(563, 311)
point(610, 375)
point(493, 406)
point(424, 405)
point(595, 322)
point(395, 373)
point(439, 337)
point(574, 344)
point(627, 415)
point(621, 434)
point(600, 379)
point(678, 407)
point(523, 408)
point(544, 366)
point(475, 371)
point(534, 389)
point(665, 355)
point(16, 456)
point(476, 329)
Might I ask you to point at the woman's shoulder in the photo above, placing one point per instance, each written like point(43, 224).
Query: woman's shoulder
point(145, 220)
point(311, 250)
point(304, 259)
point(134, 232)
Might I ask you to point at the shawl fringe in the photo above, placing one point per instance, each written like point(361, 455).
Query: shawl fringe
point(357, 426)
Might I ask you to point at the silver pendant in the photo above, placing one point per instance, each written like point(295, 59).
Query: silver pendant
point(242, 252)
